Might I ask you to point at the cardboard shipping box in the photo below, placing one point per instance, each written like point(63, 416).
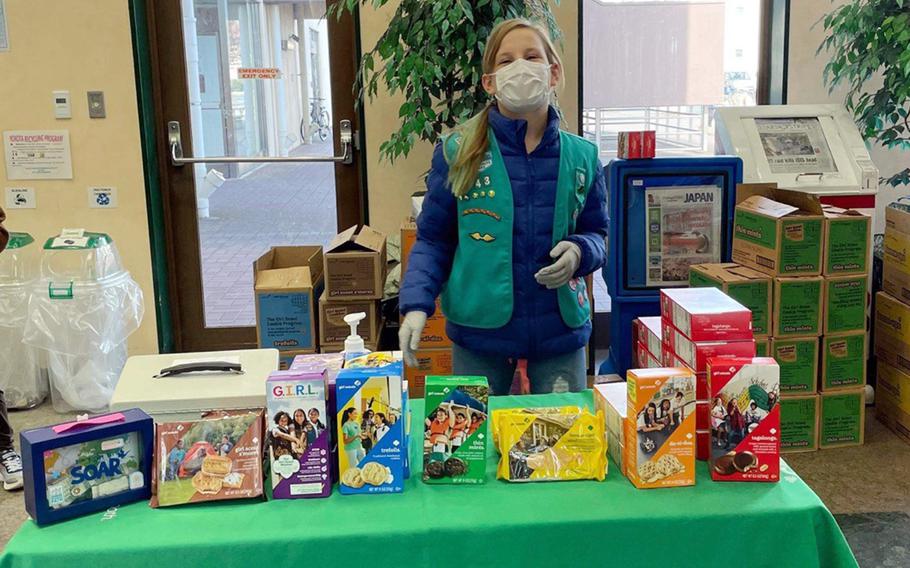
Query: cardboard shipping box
point(762, 346)
point(799, 423)
point(408, 238)
point(798, 360)
point(333, 330)
point(848, 244)
point(778, 232)
point(798, 306)
point(355, 265)
point(845, 303)
point(430, 362)
point(892, 331)
point(843, 416)
point(749, 287)
point(434, 334)
point(896, 252)
point(843, 361)
point(287, 282)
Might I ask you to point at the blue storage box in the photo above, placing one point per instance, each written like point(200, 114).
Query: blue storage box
point(81, 467)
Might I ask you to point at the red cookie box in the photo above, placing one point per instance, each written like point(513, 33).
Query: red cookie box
point(702, 415)
point(702, 444)
point(705, 314)
point(649, 329)
point(637, 144)
point(753, 435)
point(695, 354)
point(670, 359)
point(644, 359)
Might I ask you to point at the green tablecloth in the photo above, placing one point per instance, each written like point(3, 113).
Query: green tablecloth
point(579, 523)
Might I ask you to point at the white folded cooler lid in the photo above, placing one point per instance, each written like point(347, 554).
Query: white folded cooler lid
point(184, 397)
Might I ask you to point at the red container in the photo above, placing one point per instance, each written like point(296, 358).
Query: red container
point(702, 445)
point(670, 359)
point(648, 143)
point(705, 314)
point(702, 415)
point(630, 144)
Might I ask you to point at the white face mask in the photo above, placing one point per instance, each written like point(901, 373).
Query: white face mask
point(523, 86)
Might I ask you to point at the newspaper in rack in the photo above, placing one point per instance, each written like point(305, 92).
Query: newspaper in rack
point(795, 145)
point(683, 228)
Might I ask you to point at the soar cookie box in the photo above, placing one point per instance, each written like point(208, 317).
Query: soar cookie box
point(80, 467)
point(745, 419)
point(370, 424)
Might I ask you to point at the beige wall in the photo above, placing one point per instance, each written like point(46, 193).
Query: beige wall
point(81, 46)
point(390, 185)
point(805, 85)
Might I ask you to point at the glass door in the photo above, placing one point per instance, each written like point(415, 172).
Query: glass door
point(253, 96)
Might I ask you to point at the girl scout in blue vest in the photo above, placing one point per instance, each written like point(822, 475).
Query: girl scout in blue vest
point(514, 218)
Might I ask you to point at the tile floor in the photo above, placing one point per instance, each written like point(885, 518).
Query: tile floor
point(867, 488)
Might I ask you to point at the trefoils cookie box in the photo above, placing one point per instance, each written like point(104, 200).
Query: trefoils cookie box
point(90, 465)
point(370, 425)
point(745, 419)
point(298, 437)
point(455, 430)
point(659, 434)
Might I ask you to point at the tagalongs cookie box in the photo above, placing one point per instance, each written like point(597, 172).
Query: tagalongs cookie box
point(745, 419)
point(215, 458)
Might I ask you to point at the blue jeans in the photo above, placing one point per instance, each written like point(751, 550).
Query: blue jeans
point(562, 373)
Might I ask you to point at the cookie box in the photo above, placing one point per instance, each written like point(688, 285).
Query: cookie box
point(745, 419)
point(298, 438)
point(89, 465)
point(799, 423)
point(215, 458)
point(695, 354)
point(659, 435)
point(370, 426)
point(455, 430)
point(705, 314)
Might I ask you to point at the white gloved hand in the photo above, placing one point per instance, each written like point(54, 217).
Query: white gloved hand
point(409, 335)
point(568, 258)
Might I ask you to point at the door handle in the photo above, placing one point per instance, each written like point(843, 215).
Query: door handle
point(178, 159)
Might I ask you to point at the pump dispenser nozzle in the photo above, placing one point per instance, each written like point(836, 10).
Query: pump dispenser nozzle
point(354, 343)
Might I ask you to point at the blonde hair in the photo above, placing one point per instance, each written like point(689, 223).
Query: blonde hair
point(473, 132)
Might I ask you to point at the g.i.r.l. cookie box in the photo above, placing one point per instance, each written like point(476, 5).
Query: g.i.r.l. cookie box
point(89, 465)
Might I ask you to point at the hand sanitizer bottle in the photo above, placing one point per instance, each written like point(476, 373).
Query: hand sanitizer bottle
point(353, 345)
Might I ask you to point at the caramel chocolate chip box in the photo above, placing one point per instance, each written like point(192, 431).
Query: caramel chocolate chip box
point(745, 419)
point(215, 458)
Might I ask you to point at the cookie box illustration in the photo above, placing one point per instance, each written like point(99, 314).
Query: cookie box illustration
point(745, 419)
point(89, 465)
point(370, 428)
point(298, 439)
point(215, 458)
point(455, 430)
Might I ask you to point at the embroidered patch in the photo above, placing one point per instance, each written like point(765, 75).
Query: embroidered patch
point(580, 179)
point(486, 237)
point(487, 212)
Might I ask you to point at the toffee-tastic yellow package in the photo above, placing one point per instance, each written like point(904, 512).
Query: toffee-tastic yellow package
point(550, 444)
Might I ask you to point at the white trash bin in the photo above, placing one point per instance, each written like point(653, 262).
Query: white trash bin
point(22, 378)
point(81, 312)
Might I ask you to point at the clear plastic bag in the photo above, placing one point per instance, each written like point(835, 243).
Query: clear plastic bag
point(22, 379)
point(85, 337)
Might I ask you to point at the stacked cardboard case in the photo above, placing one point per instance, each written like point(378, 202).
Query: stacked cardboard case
point(434, 354)
point(892, 314)
point(818, 261)
point(697, 325)
point(355, 264)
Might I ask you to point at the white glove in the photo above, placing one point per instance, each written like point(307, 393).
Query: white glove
point(409, 335)
point(568, 258)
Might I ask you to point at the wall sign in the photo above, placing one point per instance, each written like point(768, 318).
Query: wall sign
point(258, 73)
point(38, 154)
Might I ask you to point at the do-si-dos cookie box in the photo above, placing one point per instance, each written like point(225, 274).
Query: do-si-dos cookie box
point(371, 426)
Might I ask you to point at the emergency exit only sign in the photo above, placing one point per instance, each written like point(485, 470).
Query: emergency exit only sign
point(258, 73)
